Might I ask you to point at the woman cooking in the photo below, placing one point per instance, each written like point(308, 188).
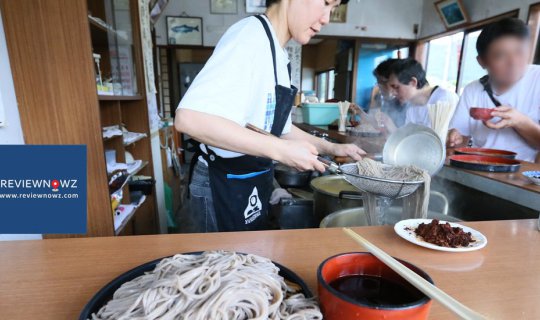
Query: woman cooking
point(247, 80)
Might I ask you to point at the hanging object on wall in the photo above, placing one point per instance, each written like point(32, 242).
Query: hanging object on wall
point(339, 14)
point(146, 39)
point(185, 31)
point(157, 10)
point(255, 6)
point(294, 49)
point(452, 13)
point(223, 6)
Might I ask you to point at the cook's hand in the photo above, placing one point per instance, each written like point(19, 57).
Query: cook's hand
point(348, 150)
point(300, 155)
point(510, 118)
point(454, 138)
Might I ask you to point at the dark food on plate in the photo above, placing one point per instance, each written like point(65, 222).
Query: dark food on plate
point(376, 290)
point(443, 234)
point(215, 285)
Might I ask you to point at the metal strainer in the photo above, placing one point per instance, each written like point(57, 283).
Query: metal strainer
point(391, 189)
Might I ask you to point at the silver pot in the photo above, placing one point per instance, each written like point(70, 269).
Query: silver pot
point(332, 193)
point(356, 217)
point(415, 145)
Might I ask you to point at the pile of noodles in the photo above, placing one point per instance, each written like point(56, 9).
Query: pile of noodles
point(414, 205)
point(215, 285)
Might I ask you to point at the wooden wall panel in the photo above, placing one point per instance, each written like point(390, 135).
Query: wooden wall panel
point(51, 59)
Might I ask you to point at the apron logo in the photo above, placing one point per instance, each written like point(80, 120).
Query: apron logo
point(253, 209)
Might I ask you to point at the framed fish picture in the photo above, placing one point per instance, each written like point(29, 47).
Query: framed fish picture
point(186, 31)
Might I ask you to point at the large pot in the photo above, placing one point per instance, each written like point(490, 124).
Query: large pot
point(356, 217)
point(332, 193)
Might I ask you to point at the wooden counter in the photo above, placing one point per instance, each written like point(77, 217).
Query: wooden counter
point(53, 279)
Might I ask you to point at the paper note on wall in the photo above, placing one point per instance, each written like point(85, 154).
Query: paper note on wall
point(2, 113)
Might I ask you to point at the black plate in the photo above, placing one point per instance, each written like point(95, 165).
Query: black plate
point(105, 294)
point(484, 163)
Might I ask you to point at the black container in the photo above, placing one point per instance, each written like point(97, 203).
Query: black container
point(295, 214)
point(291, 178)
point(145, 186)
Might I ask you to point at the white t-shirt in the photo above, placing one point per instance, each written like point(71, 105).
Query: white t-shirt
point(419, 114)
point(524, 96)
point(237, 82)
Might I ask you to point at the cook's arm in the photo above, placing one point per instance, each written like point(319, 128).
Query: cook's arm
point(323, 146)
point(226, 134)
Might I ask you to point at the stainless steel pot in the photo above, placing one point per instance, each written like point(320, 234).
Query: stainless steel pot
point(415, 145)
point(332, 193)
point(356, 217)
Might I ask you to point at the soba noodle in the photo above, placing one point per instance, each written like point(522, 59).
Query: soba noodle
point(414, 205)
point(215, 285)
point(440, 115)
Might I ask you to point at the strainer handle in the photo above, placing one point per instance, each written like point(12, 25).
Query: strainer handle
point(332, 166)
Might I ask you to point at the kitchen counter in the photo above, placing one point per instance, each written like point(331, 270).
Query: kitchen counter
point(53, 279)
point(369, 144)
point(513, 187)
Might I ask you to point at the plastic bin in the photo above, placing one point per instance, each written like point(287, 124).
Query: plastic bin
point(320, 114)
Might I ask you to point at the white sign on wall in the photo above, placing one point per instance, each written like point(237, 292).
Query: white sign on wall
point(294, 49)
point(2, 112)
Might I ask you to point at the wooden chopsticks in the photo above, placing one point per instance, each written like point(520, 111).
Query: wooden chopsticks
point(420, 283)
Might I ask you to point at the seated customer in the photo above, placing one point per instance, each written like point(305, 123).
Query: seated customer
point(409, 84)
point(394, 112)
point(512, 86)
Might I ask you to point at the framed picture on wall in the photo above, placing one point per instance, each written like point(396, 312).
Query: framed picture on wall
point(452, 13)
point(224, 6)
point(255, 6)
point(185, 31)
point(339, 14)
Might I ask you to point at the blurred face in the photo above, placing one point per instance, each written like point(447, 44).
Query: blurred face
point(384, 87)
point(403, 92)
point(307, 17)
point(506, 60)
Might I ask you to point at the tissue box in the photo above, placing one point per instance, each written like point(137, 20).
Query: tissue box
point(320, 114)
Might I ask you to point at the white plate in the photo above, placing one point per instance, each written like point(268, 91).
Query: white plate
point(405, 229)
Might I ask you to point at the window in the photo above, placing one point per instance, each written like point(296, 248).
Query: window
point(450, 61)
point(470, 69)
point(325, 85)
point(443, 61)
point(401, 53)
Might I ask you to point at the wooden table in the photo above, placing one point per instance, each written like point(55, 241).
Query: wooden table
point(53, 279)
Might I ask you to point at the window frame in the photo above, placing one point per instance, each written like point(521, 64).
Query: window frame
point(534, 34)
point(317, 74)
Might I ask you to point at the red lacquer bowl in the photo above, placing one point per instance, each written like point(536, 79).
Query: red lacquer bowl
point(337, 306)
point(482, 114)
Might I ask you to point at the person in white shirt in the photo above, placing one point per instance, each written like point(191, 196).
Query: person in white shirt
point(409, 84)
point(247, 81)
point(512, 88)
